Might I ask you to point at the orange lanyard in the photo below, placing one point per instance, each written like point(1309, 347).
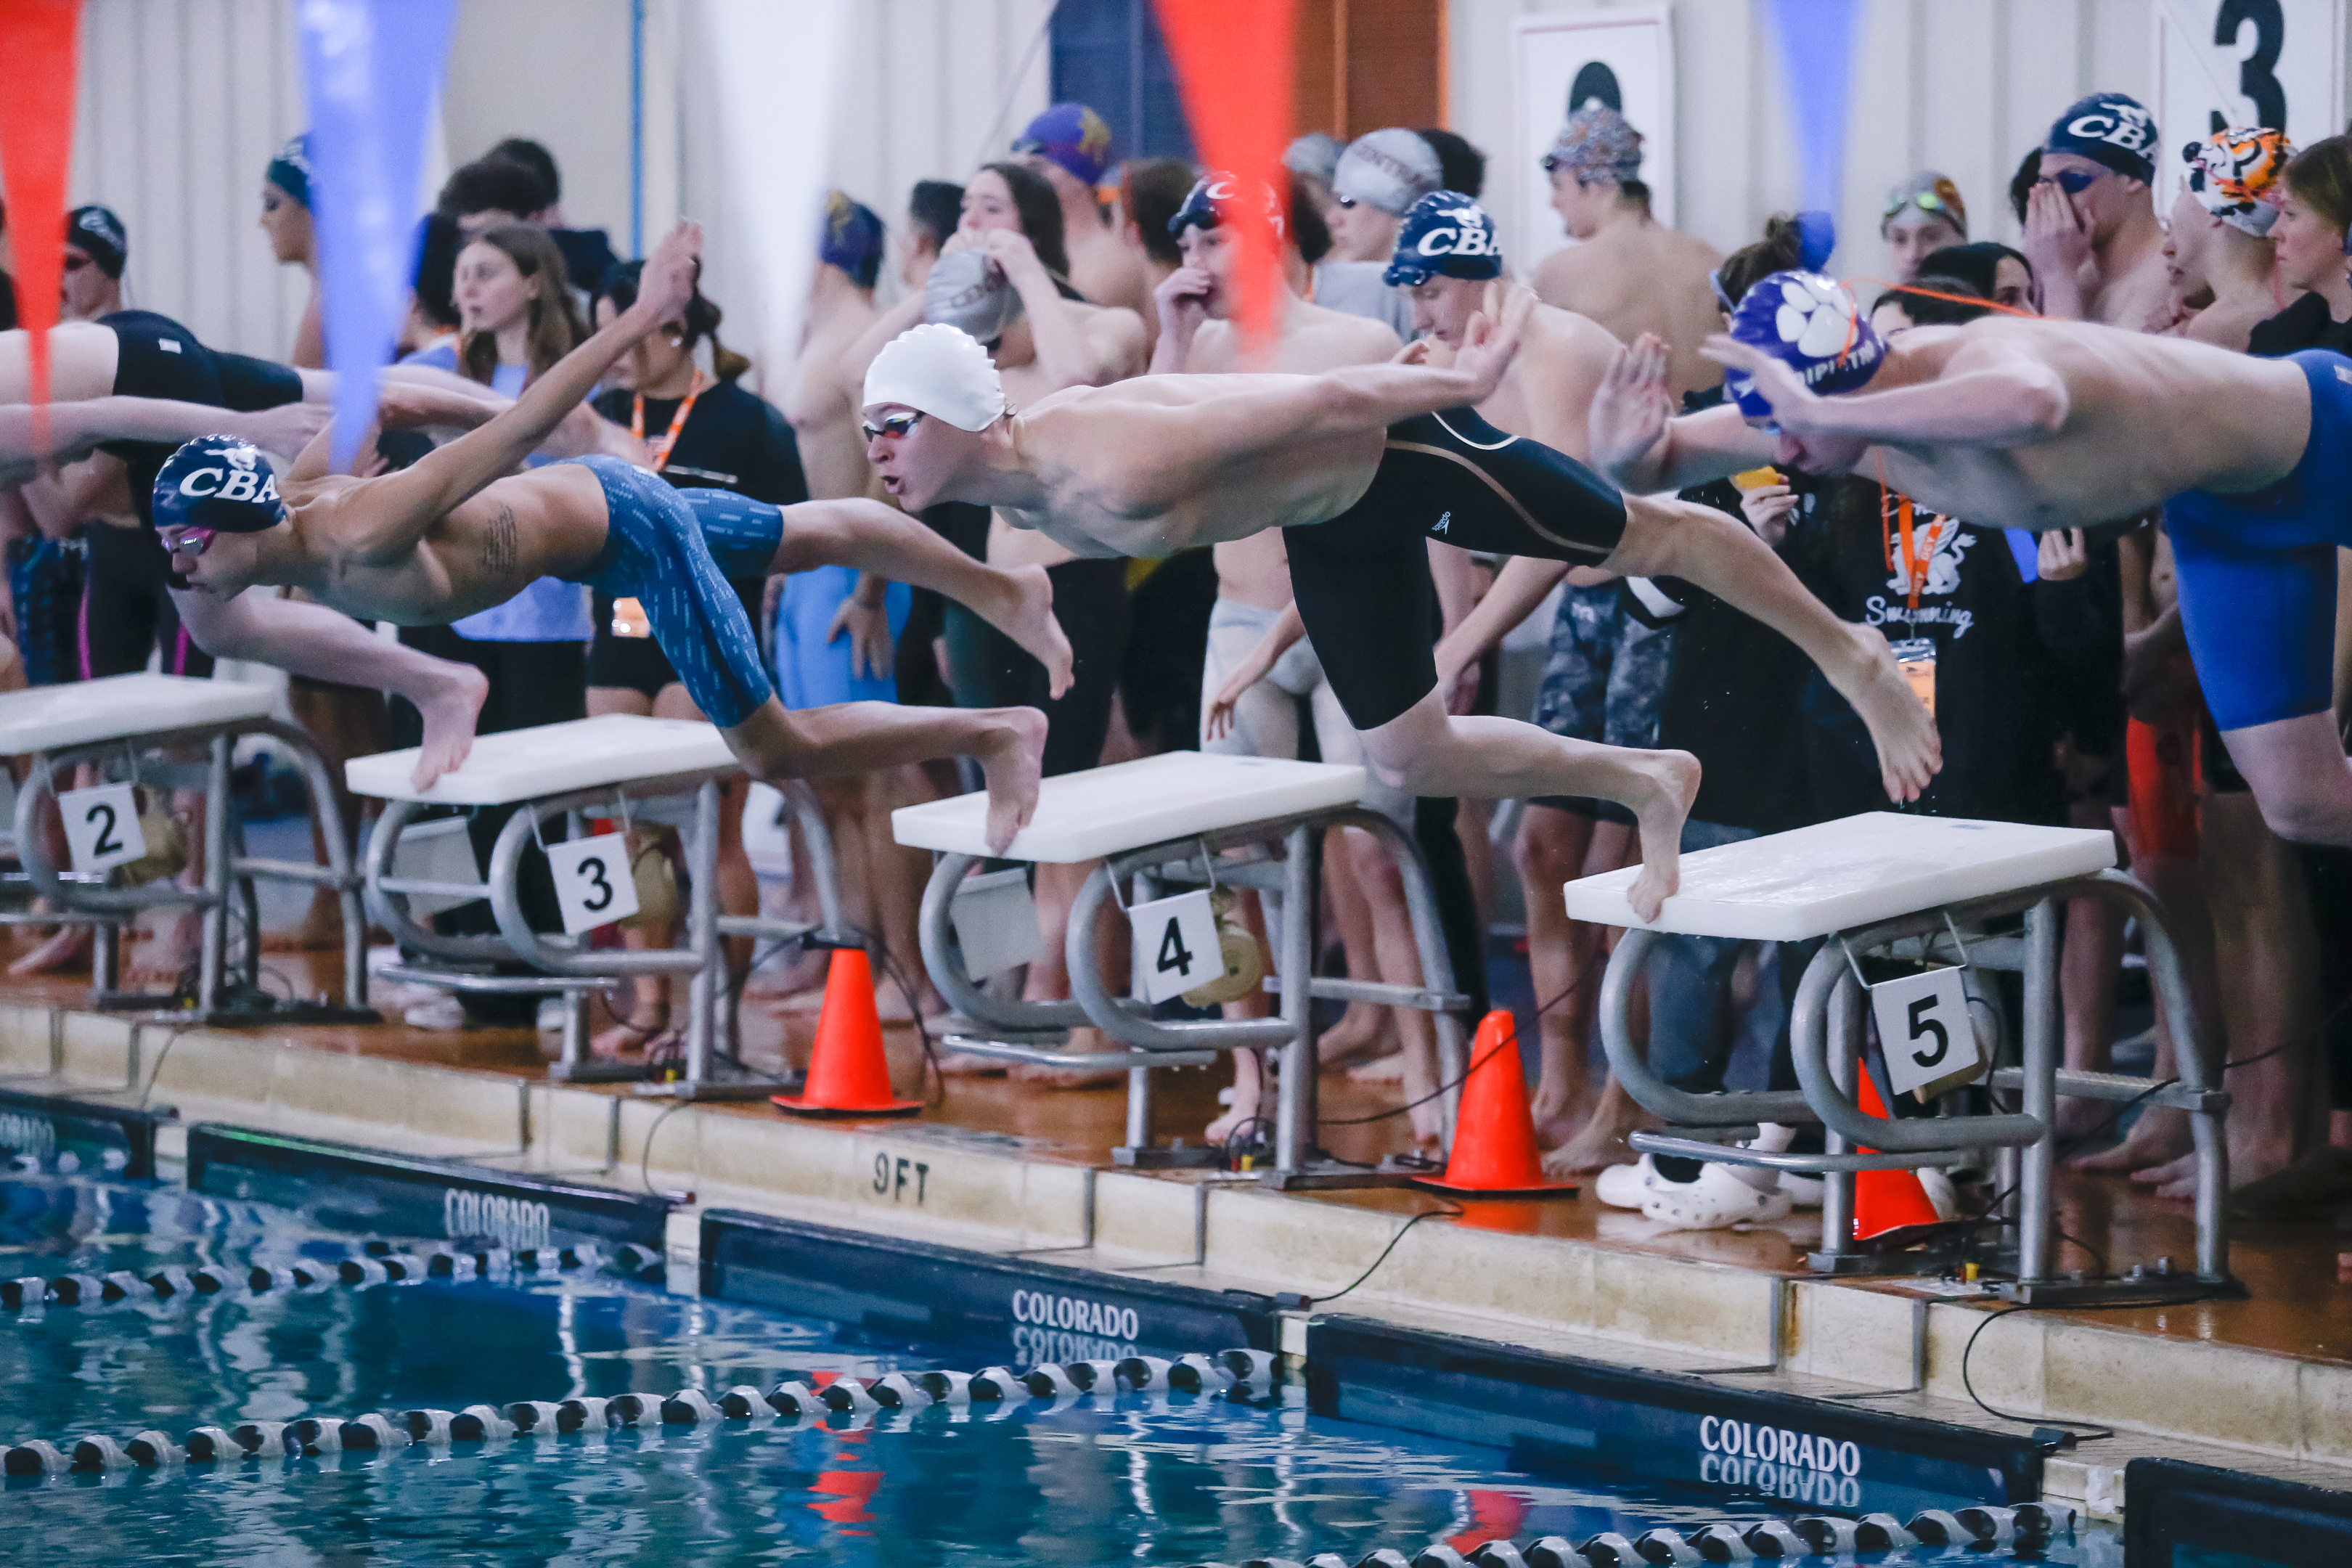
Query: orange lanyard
point(660, 447)
point(1893, 510)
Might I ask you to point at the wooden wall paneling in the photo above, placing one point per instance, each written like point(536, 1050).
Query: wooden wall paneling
point(1394, 61)
point(1315, 104)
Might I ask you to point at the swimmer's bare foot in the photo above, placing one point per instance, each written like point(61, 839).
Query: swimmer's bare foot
point(961, 1064)
point(1389, 1068)
point(1909, 750)
point(1673, 784)
point(638, 1032)
point(450, 707)
point(168, 953)
point(2160, 1135)
point(321, 930)
point(1029, 620)
point(1600, 1142)
point(1361, 1028)
point(68, 948)
point(1012, 755)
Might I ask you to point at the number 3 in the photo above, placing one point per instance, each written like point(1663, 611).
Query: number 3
point(593, 869)
point(1921, 1028)
point(2262, 88)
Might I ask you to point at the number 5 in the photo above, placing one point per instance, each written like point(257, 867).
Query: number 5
point(1924, 1027)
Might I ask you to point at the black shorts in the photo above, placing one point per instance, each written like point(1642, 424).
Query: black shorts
point(990, 669)
point(638, 664)
point(154, 356)
point(1362, 582)
point(126, 606)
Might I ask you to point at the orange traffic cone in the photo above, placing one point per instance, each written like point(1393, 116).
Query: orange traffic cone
point(1494, 1137)
point(848, 1073)
point(1887, 1200)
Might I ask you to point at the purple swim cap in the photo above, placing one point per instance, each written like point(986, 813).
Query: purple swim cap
point(1811, 324)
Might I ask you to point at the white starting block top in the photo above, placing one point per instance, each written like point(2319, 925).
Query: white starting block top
point(550, 759)
point(1105, 811)
point(1836, 876)
point(51, 718)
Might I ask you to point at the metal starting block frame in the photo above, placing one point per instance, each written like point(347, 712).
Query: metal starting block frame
point(646, 771)
point(1158, 826)
point(119, 724)
point(1822, 885)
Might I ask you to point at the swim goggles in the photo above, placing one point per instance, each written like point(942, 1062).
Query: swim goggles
point(1928, 202)
point(895, 426)
point(192, 541)
point(2075, 182)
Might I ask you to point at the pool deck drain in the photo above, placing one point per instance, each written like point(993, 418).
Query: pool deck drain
point(1897, 1346)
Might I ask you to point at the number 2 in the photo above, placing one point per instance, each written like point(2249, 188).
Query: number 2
point(1173, 953)
point(1922, 1027)
point(593, 869)
point(108, 843)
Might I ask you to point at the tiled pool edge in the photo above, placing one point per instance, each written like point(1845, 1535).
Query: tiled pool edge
point(936, 1184)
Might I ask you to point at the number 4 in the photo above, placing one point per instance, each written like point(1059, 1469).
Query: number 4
point(1173, 953)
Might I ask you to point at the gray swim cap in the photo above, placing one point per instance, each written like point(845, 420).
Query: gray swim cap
point(1390, 169)
point(1315, 155)
point(968, 291)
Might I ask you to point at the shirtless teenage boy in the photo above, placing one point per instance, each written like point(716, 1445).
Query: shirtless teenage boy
point(2042, 424)
point(2091, 230)
point(1255, 643)
point(459, 532)
point(1155, 465)
point(1628, 272)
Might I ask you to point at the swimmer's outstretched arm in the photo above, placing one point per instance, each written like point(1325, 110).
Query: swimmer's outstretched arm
point(1640, 443)
point(381, 521)
point(2009, 400)
point(74, 429)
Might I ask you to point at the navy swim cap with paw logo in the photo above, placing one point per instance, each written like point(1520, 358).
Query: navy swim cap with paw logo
point(1811, 324)
point(1446, 233)
point(221, 483)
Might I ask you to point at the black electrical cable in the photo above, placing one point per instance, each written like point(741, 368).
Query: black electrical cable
point(1447, 1211)
point(1455, 1083)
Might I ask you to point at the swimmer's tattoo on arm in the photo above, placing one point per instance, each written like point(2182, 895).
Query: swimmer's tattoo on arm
point(498, 542)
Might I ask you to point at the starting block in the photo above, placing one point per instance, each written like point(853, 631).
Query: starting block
point(126, 727)
point(1919, 890)
point(1160, 826)
point(637, 770)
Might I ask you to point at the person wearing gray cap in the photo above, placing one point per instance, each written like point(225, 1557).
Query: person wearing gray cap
point(1314, 158)
point(1373, 185)
point(1627, 270)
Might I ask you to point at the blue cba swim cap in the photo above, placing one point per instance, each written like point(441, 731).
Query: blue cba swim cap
point(1811, 325)
point(1213, 197)
point(221, 483)
point(1446, 233)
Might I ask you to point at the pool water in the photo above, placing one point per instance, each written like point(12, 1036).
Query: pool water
point(1135, 1478)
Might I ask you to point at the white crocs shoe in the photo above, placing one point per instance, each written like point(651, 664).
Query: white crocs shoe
point(1719, 1197)
point(443, 1012)
point(1804, 1192)
point(1624, 1186)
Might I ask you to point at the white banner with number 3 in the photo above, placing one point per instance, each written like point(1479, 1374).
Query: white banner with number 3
point(101, 827)
point(1923, 1028)
point(594, 886)
point(1175, 945)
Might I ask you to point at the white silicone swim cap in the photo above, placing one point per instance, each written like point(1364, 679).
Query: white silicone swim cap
point(940, 370)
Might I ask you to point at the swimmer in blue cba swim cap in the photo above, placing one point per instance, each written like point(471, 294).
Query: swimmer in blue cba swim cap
point(461, 531)
point(2021, 422)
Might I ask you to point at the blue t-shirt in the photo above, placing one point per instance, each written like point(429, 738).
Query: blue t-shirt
point(549, 610)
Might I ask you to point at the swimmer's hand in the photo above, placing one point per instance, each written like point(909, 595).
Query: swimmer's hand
point(2057, 245)
point(872, 651)
point(1795, 407)
point(1492, 340)
point(1767, 509)
point(1630, 411)
point(2060, 555)
point(1182, 302)
point(1017, 257)
point(666, 285)
point(284, 431)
